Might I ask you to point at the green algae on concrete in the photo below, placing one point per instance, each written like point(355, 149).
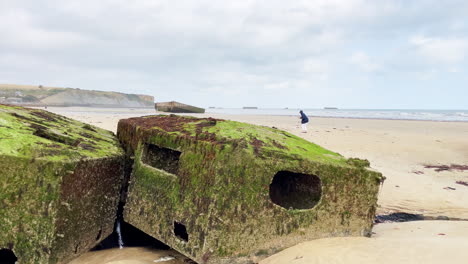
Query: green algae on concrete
point(59, 185)
point(228, 192)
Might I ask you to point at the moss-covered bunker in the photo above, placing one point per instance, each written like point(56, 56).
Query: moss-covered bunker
point(227, 192)
point(59, 185)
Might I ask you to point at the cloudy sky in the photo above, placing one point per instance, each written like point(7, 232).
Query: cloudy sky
point(272, 53)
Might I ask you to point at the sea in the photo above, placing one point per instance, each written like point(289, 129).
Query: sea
point(396, 114)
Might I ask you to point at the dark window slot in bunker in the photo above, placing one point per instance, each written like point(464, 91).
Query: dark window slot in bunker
point(7, 256)
point(180, 231)
point(295, 190)
point(161, 158)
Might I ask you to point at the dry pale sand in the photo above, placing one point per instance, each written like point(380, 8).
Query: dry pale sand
point(399, 149)
point(431, 242)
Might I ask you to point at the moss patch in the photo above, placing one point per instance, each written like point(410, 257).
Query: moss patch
point(43, 135)
point(59, 185)
point(261, 140)
point(221, 191)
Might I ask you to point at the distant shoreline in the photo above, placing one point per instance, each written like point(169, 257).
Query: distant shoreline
point(391, 119)
point(397, 114)
point(362, 118)
point(96, 110)
point(85, 106)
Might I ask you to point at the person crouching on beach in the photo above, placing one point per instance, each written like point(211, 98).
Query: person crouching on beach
point(304, 121)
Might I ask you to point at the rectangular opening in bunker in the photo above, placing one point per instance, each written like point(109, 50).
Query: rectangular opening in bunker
point(161, 158)
point(180, 231)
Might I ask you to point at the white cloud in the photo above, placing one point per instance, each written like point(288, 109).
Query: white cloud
point(430, 74)
point(317, 68)
point(364, 62)
point(277, 86)
point(228, 50)
point(441, 50)
point(18, 29)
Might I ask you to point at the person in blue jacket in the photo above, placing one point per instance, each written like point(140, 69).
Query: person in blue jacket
point(304, 121)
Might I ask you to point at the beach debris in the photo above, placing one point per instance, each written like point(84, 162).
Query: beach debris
point(406, 217)
point(62, 181)
point(449, 188)
point(418, 172)
point(441, 234)
point(221, 192)
point(462, 183)
point(451, 167)
point(164, 259)
point(398, 217)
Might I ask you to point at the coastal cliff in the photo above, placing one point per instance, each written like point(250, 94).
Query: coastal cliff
point(56, 96)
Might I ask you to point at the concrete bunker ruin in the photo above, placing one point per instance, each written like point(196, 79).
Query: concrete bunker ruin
point(7, 256)
point(295, 190)
point(161, 158)
point(180, 231)
point(59, 185)
point(240, 189)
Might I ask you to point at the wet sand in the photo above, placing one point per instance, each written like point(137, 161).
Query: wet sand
point(130, 255)
point(400, 150)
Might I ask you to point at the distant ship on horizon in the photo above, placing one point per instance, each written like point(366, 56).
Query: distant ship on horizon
point(330, 108)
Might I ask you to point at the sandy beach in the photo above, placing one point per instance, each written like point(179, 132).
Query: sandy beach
point(400, 150)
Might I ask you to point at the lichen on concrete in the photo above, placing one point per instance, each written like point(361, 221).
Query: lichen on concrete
point(59, 185)
point(228, 190)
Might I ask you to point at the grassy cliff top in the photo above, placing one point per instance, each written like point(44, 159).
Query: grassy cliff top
point(261, 140)
point(40, 134)
point(44, 95)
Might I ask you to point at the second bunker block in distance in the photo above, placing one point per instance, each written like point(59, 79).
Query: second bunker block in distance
point(227, 192)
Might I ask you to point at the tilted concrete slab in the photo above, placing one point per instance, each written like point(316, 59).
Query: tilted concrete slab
point(228, 192)
point(59, 185)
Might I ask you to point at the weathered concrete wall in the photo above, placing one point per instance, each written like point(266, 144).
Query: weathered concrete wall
point(59, 185)
point(227, 192)
point(176, 107)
